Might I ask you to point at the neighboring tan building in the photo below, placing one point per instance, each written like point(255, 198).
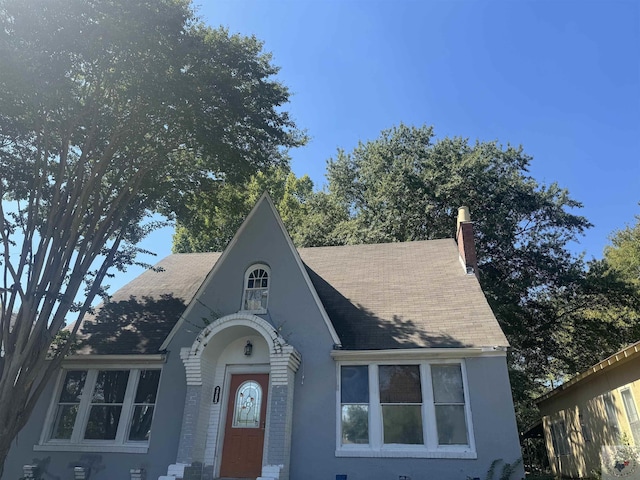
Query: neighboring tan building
point(361, 362)
point(597, 408)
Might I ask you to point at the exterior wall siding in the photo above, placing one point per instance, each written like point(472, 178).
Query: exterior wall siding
point(163, 445)
point(587, 420)
point(314, 435)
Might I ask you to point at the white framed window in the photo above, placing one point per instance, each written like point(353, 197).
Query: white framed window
point(108, 409)
point(632, 413)
point(404, 409)
point(256, 288)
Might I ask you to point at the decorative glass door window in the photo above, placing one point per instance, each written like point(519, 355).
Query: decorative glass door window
point(247, 405)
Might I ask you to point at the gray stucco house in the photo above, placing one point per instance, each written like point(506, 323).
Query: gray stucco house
point(265, 361)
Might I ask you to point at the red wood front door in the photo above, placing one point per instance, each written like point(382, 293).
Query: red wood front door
point(244, 427)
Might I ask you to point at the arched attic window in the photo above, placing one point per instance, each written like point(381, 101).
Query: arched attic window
point(256, 288)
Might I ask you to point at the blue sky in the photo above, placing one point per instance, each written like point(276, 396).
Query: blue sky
point(560, 78)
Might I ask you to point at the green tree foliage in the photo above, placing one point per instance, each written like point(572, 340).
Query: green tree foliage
point(623, 255)
point(211, 218)
point(406, 185)
point(110, 111)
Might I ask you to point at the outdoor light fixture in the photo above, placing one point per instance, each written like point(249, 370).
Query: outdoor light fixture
point(248, 348)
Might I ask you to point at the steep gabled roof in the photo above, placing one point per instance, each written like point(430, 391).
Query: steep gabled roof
point(402, 295)
point(277, 224)
point(382, 296)
point(140, 315)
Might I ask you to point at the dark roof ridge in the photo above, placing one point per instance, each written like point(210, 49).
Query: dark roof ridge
point(379, 244)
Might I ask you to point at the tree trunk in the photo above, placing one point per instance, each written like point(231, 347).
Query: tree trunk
point(5, 444)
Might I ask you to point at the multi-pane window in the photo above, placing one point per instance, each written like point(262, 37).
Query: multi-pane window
point(354, 407)
point(105, 405)
point(256, 291)
point(448, 398)
point(632, 414)
point(68, 404)
point(401, 402)
point(144, 405)
point(404, 406)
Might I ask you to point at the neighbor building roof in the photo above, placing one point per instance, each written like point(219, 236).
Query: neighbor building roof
point(381, 296)
point(620, 357)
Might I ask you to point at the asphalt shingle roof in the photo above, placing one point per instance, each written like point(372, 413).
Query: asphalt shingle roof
point(140, 315)
point(382, 296)
point(401, 295)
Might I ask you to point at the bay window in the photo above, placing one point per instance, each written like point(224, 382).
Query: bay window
point(416, 409)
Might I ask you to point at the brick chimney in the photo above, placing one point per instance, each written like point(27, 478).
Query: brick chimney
point(466, 242)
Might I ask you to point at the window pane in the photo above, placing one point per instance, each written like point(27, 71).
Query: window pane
point(354, 384)
point(255, 299)
point(147, 386)
point(400, 384)
point(355, 424)
point(452, 425)
point(141, 423)
point(402, 424)
point(447, 384)
point(247, 406)
point(65, 419)
point(611, 409)
point(103, 422)
point(629, 406)
point(110, 386)
point(559, 438)
point(73, 386)
point(586, 431)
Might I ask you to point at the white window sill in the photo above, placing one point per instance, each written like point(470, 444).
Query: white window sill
point(390, 452)
point(85, 447)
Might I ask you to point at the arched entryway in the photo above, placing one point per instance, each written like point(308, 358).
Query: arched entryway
point(236, 352)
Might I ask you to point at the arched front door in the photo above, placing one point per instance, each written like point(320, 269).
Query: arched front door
point(245, 425)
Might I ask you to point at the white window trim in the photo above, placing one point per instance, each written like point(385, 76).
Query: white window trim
point(253, 267)
point(430, 449)
point(621, 390)
point(77, 443)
